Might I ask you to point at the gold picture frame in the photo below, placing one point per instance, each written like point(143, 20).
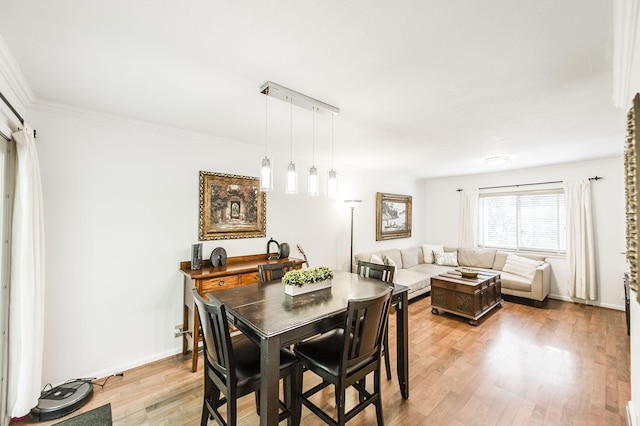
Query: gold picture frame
point(393, 216)
point(632, 190)
point(231, 206)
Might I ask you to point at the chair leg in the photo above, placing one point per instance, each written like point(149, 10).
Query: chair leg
point(257, 395)
point(340, 393)
point(205, 415)
point(387, 362)
point(378, 402)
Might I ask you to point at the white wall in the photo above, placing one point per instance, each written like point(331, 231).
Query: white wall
point(121, 211)
point(443, 204)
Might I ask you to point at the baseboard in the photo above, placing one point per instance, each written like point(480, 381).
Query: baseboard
point(137, 363)
point(566, 298)
point(632, 419)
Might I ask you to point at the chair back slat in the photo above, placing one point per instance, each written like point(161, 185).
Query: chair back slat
point(269, 272)
point(376, 271)
point(215, 336)
point(365, 327)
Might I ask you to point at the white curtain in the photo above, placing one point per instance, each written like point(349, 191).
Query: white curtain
point(468, 218)
point(26, 309)
point(581, 258)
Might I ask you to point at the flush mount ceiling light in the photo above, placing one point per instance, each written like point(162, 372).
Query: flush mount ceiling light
point(494, 161)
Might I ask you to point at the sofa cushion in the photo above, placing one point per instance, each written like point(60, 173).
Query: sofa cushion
point(376, 259)
point(365, 257)
point(446, 258)
point(409, 257)
point(521, 266)
point(412, 279)
point(427, 252)
point(501, 259)
point(393, 254)
point(430, 269)
point(477, 258)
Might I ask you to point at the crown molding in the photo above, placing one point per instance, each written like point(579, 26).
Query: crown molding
point(625, 45)
point(12, 74)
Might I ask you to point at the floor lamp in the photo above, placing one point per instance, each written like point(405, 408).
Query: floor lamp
point(352, 204)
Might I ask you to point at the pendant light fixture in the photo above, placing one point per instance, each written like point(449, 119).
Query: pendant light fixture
point(313, 172)
point(292, 175)
point(332, 181)
point(266, 174)
point(275, 90)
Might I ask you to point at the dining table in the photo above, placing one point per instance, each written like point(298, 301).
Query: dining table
point(273, 320)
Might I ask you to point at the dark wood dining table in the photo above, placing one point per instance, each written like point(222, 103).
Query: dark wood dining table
point(273, 319)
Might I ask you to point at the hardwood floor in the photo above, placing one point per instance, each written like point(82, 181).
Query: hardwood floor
point(562, 364)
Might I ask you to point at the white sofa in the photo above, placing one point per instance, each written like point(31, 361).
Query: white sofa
point(415, 266)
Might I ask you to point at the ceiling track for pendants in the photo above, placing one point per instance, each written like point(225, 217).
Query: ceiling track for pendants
point(285, 94)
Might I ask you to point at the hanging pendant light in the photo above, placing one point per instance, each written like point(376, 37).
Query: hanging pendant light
point(313, 172)
point(292, 175)
point(332, 181)
point(266, 174)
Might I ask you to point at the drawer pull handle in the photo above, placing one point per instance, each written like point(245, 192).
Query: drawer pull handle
point(221, 283)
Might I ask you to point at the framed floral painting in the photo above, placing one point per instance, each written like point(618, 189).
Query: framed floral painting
point(231, 206)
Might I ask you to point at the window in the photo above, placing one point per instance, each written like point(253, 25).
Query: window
point(528, 220)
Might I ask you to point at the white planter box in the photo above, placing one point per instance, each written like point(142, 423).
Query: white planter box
point(307, 288)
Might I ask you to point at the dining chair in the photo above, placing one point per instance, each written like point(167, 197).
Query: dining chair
point(269, 272)
point(375, 270)
point(345, 356)
point(383, 273)
point(232, 368)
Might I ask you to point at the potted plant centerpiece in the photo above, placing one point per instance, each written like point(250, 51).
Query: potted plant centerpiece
point(299, 281)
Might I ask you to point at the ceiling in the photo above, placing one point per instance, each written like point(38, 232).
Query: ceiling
point(425, 88)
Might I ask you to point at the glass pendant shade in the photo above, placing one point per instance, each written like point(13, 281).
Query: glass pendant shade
point(292, 179)
point(266, 175)
point(332, 184)
point(313, 181)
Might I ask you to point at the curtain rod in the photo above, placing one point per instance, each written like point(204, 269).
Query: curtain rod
point(13, 110)
point(596, 178)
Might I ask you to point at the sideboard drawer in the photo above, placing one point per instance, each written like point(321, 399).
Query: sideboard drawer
point(250, 278)
point(218, 283)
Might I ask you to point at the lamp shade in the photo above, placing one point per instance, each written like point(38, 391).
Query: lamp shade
point(332, 184)
point(313, 181)
point(266, 175)
point(292, 179)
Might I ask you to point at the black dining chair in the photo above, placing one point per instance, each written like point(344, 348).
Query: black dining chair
point(232, 368)
point(345, 356)
point(383, 273)
point(269, 272)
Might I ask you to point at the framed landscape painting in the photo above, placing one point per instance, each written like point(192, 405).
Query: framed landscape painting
point(393, 216)
point(231, 206)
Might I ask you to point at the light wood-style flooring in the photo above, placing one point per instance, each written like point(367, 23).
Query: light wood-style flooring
point(562, 364)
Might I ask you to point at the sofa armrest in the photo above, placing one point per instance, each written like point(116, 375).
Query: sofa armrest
point(541, 283)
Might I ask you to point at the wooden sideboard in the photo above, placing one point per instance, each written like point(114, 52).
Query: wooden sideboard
point(238, 270)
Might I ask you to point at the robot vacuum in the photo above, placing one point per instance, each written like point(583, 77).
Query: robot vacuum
point(62, 400)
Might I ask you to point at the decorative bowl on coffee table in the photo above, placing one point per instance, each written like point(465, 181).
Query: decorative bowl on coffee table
point(468, 273)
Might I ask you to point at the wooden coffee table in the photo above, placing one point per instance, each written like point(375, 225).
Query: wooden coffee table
point(468, 297)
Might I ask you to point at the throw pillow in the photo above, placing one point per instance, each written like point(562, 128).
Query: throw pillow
point(446, 258)
point(376, 259)
point(521, 266)
point(427, 252)
point(389, 261)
